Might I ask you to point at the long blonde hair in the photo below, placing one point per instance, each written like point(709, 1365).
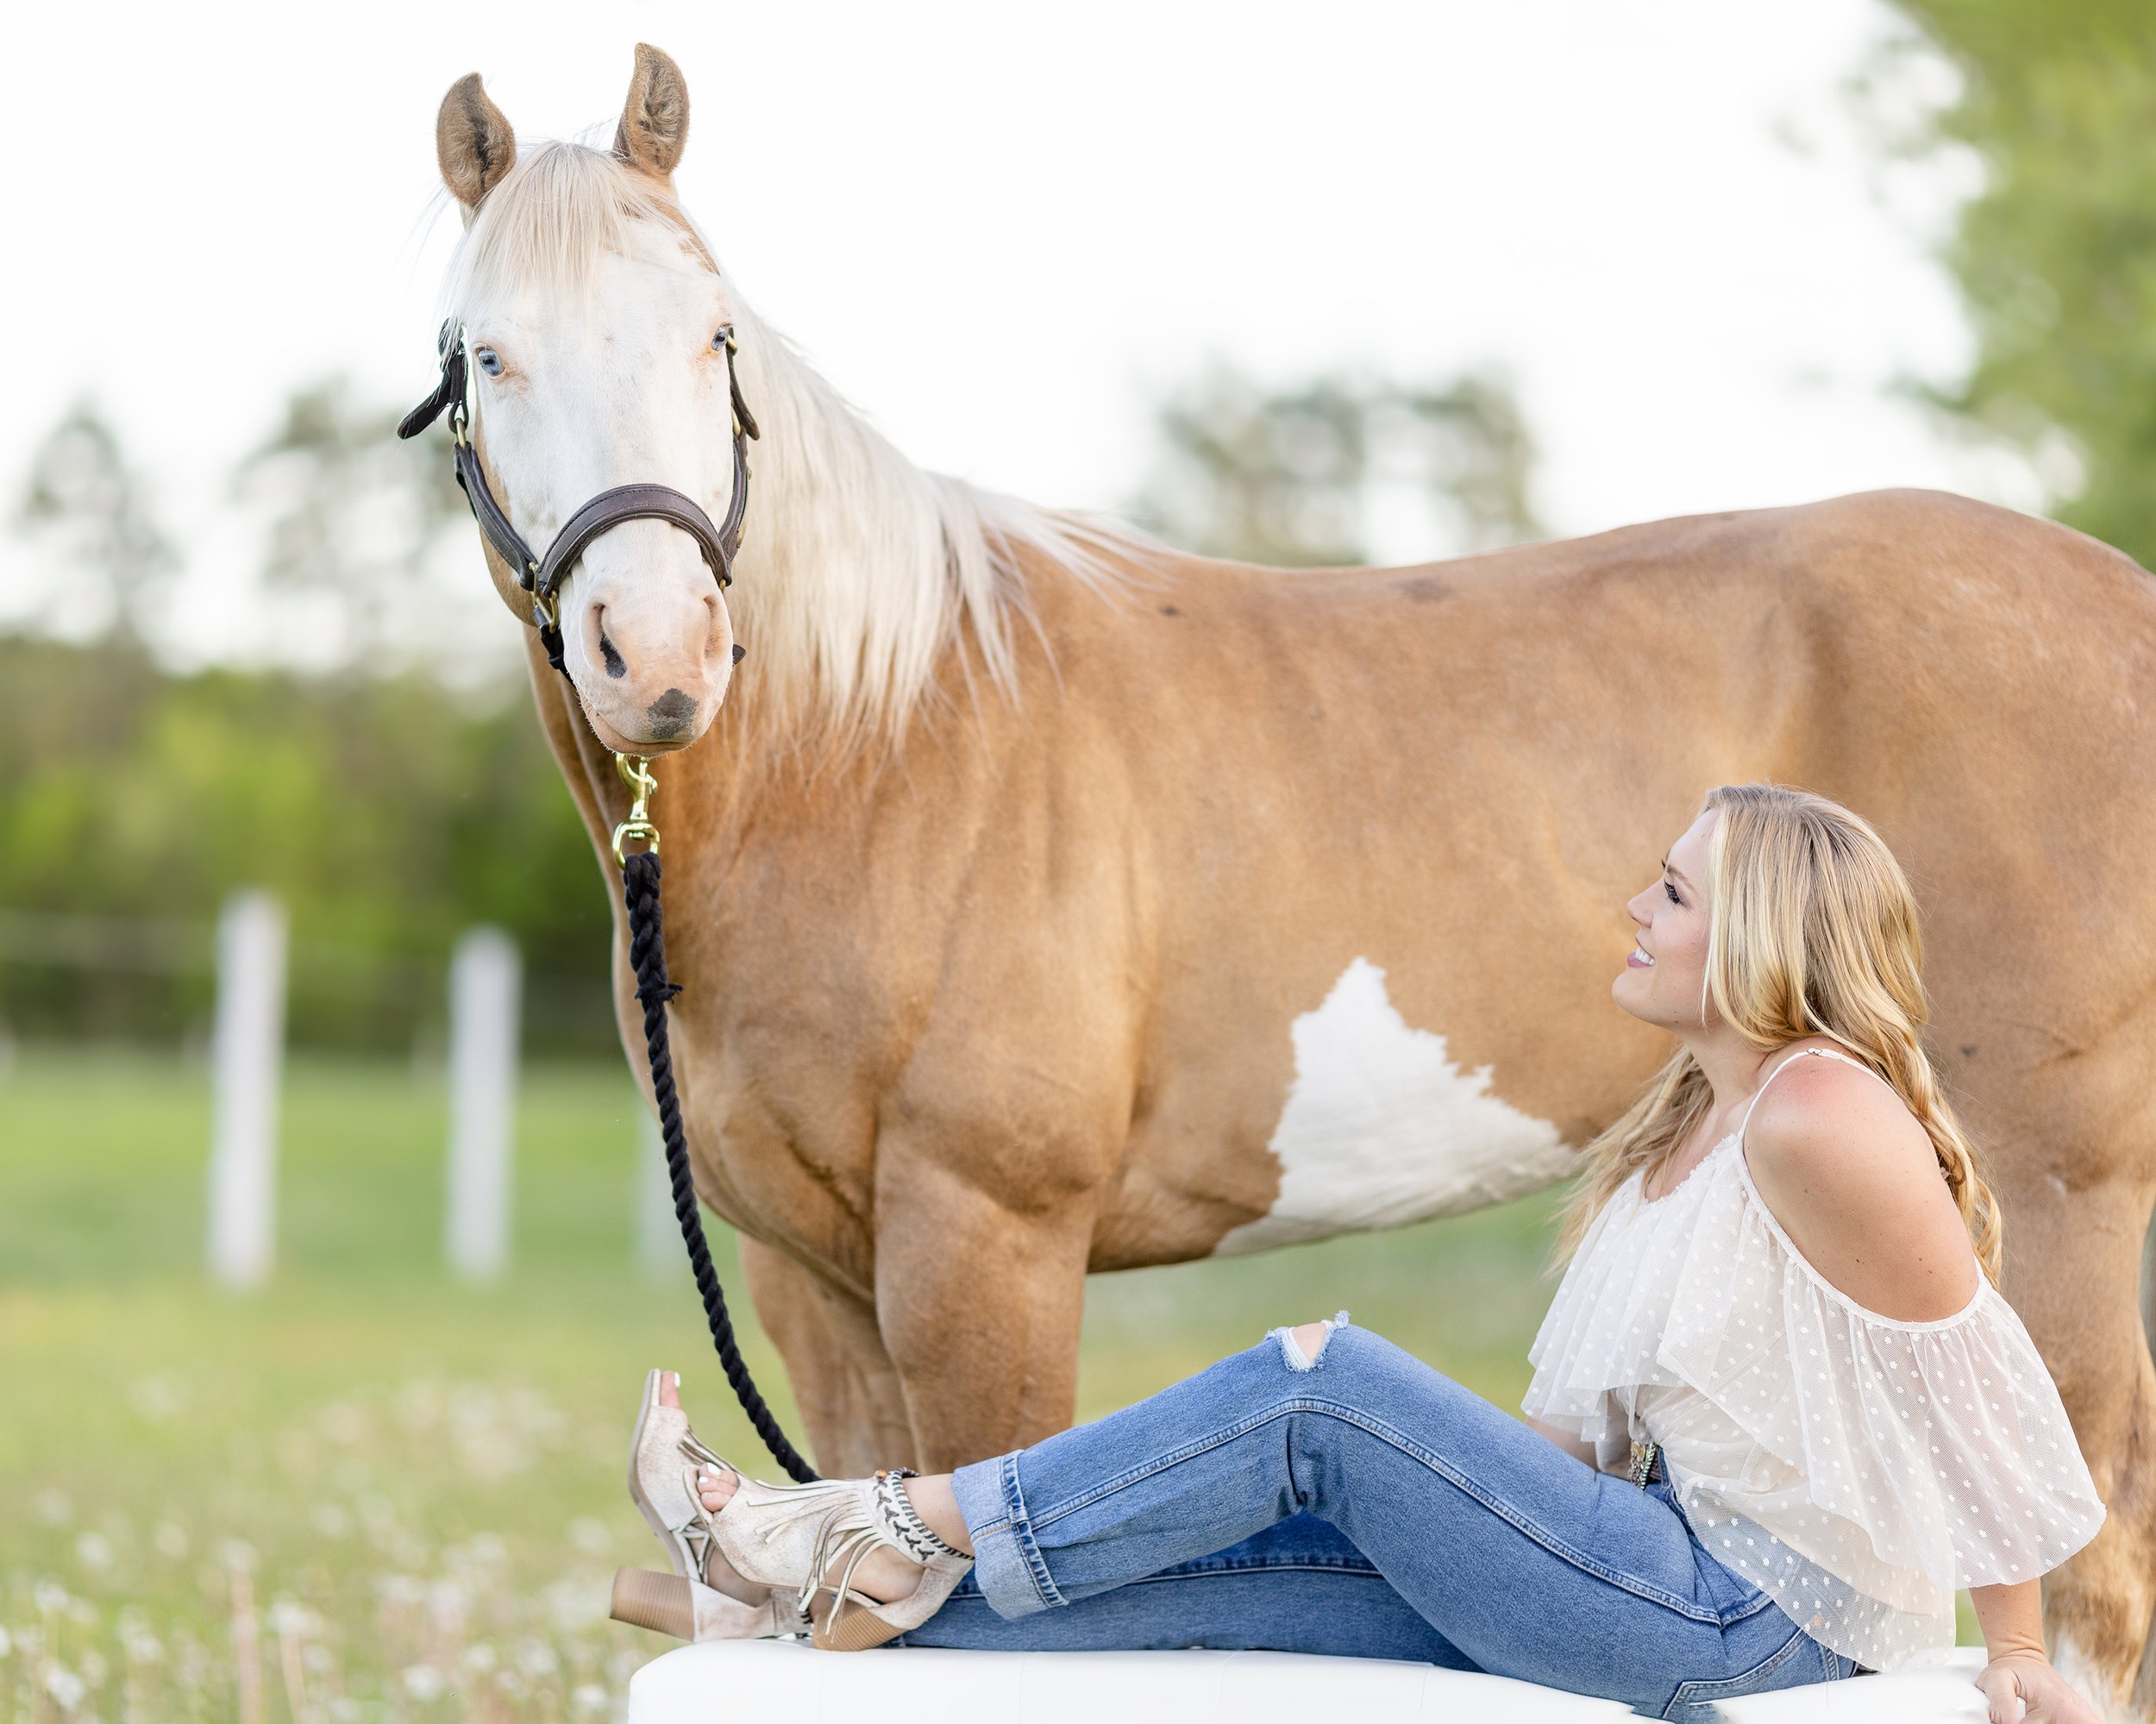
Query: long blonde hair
point(1812, 931)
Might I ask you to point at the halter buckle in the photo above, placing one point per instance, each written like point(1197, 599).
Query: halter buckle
point(636, 773)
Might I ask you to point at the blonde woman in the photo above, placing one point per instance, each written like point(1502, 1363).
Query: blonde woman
point(1780, 1411)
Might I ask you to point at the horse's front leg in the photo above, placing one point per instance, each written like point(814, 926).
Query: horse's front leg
point(853, 1413)
point(979, 1301)
point(2074, 1269)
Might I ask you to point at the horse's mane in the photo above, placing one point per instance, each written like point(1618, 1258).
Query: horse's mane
point(860, 570)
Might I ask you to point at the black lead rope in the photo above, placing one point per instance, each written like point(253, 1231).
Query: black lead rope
point(541, 576)
point(647, 957)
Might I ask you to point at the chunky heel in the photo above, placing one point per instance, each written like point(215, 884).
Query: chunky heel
point(853, 1623)
point(689, 1610)
point(660, 1602)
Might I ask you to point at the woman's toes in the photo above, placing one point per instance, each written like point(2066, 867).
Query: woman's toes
point(715, 1489)
point(669, 1388)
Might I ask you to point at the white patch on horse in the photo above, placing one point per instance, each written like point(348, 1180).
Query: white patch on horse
point(1381, 1128)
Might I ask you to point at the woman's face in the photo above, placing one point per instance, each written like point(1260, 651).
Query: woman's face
point(1663, 986)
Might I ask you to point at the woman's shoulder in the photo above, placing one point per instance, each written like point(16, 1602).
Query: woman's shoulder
point(1835, 1114)
point(1850, 1176)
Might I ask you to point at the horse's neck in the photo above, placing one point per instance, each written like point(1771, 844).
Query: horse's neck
point(857, 568)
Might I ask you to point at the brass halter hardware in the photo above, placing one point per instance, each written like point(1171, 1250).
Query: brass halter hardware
point(636, 773)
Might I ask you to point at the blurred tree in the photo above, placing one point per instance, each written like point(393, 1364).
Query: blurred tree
point(387, 808)
point(355, 522)
point(2056, 256)
point(1294, 478)
point(87, 505)
point(387, 815)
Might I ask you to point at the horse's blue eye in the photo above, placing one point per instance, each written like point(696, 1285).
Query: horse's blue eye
point(490, 361)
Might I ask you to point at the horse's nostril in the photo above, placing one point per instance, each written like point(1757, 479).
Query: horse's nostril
point(616, 666)
point(669, 715)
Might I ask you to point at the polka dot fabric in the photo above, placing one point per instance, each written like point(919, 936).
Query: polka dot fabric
point(1857, 1469)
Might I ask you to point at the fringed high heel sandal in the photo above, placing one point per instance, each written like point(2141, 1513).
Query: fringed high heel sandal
point(664, 1457)
point(790, 1537)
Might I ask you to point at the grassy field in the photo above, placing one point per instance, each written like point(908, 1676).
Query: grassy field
point(369, 1492)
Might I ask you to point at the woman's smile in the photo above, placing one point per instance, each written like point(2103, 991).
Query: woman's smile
point(1636, 958)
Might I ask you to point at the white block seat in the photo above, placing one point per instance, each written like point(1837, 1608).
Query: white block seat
point(789, 1681)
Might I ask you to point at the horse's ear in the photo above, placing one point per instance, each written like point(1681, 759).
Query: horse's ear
point(473, 142)
point(654, 121)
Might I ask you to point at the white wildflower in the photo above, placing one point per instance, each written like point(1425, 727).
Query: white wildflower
point(536, 1659)
point(425, 1682)
point(158, 1398)
point(288, 1616)
point(331, 1520)
point(64, 1686)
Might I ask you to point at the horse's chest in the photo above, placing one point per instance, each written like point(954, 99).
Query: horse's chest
point(1381, 1127)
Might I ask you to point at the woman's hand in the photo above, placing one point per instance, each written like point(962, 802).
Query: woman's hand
point(2022, 1688)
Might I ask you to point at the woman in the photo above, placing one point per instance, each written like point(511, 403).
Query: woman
point(1779, 1413)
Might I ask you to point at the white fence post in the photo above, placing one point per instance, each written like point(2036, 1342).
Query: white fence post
point(484, 1008)
point(248, 1049)
point(658, 1250)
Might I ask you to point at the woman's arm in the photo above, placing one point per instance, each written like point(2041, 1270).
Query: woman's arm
point(1578, 1447)
point(2018, 1681)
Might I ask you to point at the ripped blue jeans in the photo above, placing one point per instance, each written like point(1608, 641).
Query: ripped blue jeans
point(1360, 1503)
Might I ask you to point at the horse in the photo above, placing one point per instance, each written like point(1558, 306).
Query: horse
point(1047, 901)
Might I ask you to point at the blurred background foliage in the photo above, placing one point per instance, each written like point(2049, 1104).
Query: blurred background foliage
point(386, 814)
point(1299, 477)
point(2055, 257)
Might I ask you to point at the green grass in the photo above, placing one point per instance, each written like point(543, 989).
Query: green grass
point(412, 1487)
point(371, 1492)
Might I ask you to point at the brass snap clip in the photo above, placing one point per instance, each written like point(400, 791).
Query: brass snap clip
point(636, 773)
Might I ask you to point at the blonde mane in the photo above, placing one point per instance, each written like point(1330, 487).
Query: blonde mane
point(858, 570)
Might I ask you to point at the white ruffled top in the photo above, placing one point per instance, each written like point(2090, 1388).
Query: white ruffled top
point(1857, 1469)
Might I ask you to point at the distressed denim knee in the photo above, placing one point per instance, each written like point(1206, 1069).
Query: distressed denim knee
point(1291, 1352)
point(1018, 1508)
point(1454, 1505)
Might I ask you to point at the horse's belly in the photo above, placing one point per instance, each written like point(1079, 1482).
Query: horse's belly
point(1381, 1128)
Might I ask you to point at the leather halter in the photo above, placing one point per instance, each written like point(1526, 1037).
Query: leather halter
point(541, 576)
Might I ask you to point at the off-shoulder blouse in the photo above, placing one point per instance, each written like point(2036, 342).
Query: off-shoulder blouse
point(1855, 1468)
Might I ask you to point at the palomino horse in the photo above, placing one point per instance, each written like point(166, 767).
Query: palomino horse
point(1047, 901)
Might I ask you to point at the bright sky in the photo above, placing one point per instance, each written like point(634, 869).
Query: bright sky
point(1002, 229)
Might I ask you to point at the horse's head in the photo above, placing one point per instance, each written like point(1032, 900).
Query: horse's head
point(593, 316)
